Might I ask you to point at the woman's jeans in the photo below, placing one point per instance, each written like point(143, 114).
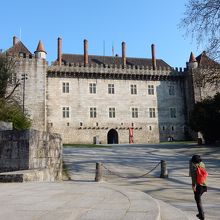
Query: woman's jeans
point(197, 194)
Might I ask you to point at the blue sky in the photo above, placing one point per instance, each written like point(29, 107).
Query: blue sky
point(139, 23)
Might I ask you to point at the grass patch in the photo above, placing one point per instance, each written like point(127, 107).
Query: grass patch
point(178, 142)
point(85, 146)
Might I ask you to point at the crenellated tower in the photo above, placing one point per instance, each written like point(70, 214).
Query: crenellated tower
point(31, 71)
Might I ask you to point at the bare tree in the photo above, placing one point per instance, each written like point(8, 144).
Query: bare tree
point(8, 80)
point(10, 109)
point(202, 22)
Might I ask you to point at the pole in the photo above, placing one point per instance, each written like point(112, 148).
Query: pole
point(24, 77)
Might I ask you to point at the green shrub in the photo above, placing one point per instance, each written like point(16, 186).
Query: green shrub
point(12, 112)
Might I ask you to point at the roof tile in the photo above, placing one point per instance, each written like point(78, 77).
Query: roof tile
point(110, 60)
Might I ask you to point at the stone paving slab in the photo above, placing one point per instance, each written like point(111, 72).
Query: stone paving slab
point(167, 214)
point(134, 160)
point(70, 200)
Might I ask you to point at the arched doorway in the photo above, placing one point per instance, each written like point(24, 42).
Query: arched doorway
point(112, 137)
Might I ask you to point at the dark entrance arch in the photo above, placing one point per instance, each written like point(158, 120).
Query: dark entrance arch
point(112, 137)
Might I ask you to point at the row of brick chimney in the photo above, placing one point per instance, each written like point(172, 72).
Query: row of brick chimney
point(86, 55)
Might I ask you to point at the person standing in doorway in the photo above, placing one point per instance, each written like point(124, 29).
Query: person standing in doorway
point(198, 182)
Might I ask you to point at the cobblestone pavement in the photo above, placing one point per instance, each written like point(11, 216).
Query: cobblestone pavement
point(135, 160)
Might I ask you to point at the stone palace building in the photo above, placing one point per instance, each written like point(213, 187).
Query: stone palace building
point(106, 99)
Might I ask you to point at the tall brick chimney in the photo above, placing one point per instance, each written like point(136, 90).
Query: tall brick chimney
point(154, 64)
point(86, 56)
point(15, 40)
point(123, 53)
point(59, 51)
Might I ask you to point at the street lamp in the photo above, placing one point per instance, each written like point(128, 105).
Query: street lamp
point(24, 78)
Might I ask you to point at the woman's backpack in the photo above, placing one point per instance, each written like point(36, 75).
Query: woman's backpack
point(201, 175)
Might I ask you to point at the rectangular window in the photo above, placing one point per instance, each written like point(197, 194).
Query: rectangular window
point(66, 112)
point(92, 87)
point(150, 89)
point(93, 112)
point(134, 112)
point(152, 113)
point(111, 89)
point(65, 87)
point(111, 112)
point(173, 112)
point(133, 89)
point(13, 78)
point(171, 90)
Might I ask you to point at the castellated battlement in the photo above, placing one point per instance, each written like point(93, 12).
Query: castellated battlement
point(115, 69)
point(31, 59)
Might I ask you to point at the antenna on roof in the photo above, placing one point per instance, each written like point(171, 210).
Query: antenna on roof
point(104, 52)
point(113, 49)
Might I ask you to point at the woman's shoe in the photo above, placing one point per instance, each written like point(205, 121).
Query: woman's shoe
point(200, 217)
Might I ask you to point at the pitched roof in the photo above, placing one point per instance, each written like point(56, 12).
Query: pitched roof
point(40, 47)
point(204, 61)
point(18, 48)
point(110, 60)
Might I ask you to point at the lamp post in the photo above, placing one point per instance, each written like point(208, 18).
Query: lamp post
point(24, 78)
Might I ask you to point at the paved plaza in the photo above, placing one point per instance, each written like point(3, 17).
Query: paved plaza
point(135, 160)
point(74, 201)
point(123, 194)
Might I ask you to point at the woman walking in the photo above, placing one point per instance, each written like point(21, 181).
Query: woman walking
point(198, 174)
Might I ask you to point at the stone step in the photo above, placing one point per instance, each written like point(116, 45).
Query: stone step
point(26, 176)
point(142, 206)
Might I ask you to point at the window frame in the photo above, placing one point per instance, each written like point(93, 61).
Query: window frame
point(66, 112)
point(134, 113)
point(171, 90)
point(111, 111)
point(111, 88)
point(93, 112)
point(150, 89)
point(133, 88)
point(92, 88)
point(173, 112)
point(152, 112)
point(66, 87)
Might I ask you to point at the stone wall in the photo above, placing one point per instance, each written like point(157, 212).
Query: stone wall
point(31, 150)
point(80, 128)
point(5, 126)
point(34, 89)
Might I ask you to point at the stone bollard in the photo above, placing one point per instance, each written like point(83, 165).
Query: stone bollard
point(98, 172)
point(164, 172)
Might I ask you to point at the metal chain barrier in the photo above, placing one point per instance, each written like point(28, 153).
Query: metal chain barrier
point(125, 177)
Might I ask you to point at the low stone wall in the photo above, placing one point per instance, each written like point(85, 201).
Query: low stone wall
point(5, 126)
point(32, 150)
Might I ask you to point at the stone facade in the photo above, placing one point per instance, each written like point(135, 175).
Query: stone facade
point(60, 97)
point(37, 152)
point(33, 71)
point(79, 127)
